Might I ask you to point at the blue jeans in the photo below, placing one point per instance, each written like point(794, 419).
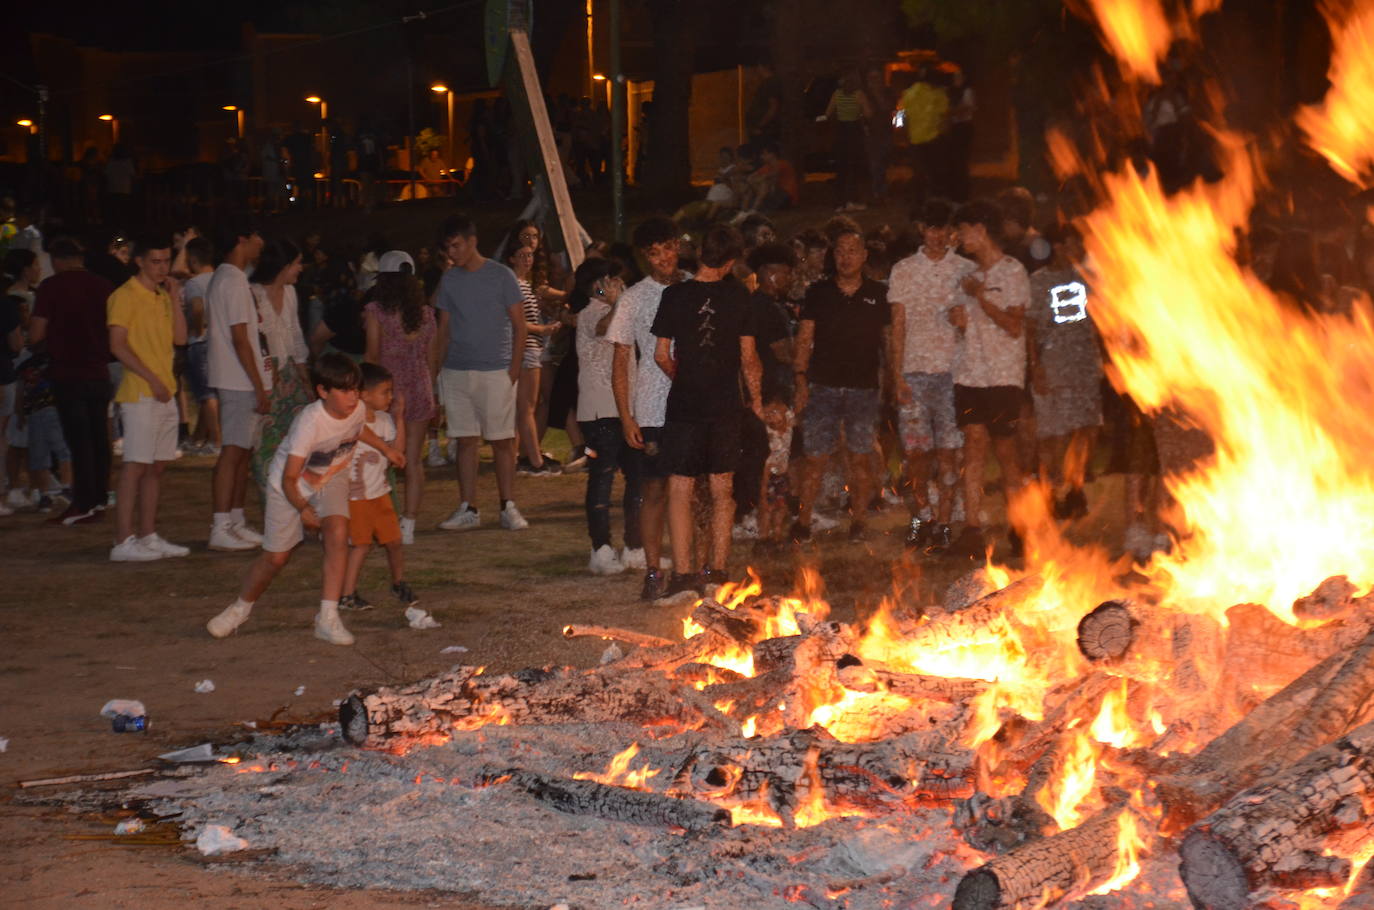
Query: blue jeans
point(606, 451)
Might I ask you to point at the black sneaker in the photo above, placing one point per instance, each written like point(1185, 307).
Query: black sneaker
point(800, 533)
point(941, 539)
point(918, 534)
point(355, 602)
point(680, 585)
point(401, 591)
point(552, 465)
point(523, 468)
point(653, 585)
point(970, 544)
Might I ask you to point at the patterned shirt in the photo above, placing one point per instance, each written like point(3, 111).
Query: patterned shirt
point(632, 325)
point(987, 355)
point(927, 289)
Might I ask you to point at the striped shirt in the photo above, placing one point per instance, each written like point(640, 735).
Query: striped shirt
point(847, 108)
point(533, 340)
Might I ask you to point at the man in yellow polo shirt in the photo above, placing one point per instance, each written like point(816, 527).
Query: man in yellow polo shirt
point(144, 328)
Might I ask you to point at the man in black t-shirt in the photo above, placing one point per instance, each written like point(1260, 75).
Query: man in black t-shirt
point(705, 330)
point(844, 326)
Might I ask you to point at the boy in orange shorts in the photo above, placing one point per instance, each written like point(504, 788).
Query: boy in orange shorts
point(371, 513)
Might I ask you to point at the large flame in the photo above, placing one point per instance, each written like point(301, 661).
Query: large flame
point(1340, 127)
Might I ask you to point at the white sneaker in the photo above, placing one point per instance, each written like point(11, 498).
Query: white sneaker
point(821, 523)
point(231, 618)
point(407, 531)
point(247, 533)
point(512, 520)
point(435, 458)
point(747, 529)
point(155, 543)
point(224, 538)
point(131, 549)
point(5, 510)
point(633, 559)
point(17, 499)
point(464, 518)
point(328, 627)
point(605, 562)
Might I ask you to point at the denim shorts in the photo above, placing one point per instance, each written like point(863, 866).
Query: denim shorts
point(928, 420)
point(197, 373)
point(830, 409)
point(46, 441)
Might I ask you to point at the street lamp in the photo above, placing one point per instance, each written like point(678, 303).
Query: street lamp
point(239, 112)
point(440, 88)
point(27, 124)
point(324, 130)
point(114, 125)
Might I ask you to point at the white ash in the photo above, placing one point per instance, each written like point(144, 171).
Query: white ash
point(352, 818)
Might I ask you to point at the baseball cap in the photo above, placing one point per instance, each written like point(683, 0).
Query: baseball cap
point(392, 261)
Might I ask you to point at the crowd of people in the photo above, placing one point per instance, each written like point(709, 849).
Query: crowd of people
point(741, 385)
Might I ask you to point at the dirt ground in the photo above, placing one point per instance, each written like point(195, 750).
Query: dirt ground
point(77, 630)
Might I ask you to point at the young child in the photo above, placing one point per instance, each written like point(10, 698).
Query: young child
point(308, 488)
point(371, 513)
point(777, 418)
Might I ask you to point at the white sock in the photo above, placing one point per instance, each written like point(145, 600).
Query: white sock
point(222, 520)
point(329, 606)
point(240, 602)
point(236, 516)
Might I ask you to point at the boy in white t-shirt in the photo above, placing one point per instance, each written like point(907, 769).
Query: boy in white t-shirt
point(371, 513)
point(307, 487)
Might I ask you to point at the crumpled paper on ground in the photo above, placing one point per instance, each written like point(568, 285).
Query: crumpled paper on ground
point(127, 706)
point(453, 649)
point(217, 839)
point(130, 826)
point(205, 685)
point(420, 619)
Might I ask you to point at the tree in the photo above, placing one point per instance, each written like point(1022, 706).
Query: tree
point(667, 168)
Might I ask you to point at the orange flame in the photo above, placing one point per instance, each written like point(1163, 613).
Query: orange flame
point(1340, 127)
point(1136, 32)
point(619, 773)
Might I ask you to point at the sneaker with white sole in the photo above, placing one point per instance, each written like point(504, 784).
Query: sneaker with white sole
point(247, 533)
point(604, 561)
point(435, 458)
point(17, 499)
point(329, 627)
point(131, 549)
point(225, 538)
point(407, 531)
point(464, 518)
point(512, 520)
point(5, 510)
point(155, 542)
point(633, 559)
point(233, 616)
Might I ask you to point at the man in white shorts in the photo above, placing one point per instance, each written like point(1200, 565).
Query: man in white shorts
point(241, 378)
point(481, 314)
point(144, 328)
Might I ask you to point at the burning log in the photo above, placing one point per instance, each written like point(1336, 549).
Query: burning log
point(874, 677)
point(589, 797)
point(1001, 825)
point(1270, 830)
point(1263, 650)
point(1108, 632)
point(1330, 599)
point(915, 768)
point(1043, 871)
point(461, 699)
point(1075, 700)
point(610, 633)
point(966, 624)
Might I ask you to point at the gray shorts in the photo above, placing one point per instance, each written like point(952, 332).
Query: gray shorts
point(927, 421)
point(830, 409)
point(282, 528)
point(239, 422)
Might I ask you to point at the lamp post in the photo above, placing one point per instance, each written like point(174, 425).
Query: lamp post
point(440, 88)
point(235, 109)
point(114, 126)
point(28, 125)
point(324, 130)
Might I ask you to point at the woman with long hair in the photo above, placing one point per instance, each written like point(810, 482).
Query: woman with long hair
point(274, 292)
point(402, 336)
point(520, 259)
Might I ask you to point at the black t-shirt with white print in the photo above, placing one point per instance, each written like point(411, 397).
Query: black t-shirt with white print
point(705, 321)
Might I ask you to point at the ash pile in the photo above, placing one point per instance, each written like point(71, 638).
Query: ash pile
point(1119, 756)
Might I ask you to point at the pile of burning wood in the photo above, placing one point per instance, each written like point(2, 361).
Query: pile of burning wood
point(1104, 735)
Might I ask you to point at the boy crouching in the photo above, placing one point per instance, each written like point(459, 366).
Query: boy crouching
point(307, 487)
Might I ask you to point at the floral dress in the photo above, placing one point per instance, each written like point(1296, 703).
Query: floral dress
point(406, 356)
point(287, 349)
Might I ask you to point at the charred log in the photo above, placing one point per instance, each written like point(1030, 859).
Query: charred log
point(588, 797)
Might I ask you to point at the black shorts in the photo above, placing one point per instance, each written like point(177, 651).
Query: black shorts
point(694, 449)
point(995, 407)
point(653, 452)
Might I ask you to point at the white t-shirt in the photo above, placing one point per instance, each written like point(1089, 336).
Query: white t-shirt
point(229, 302)
point(325, 442)
point(632, 324)
point(367, 478)
point(595, 356)
point(196, 286)
point(927, 289)
point(988, 356)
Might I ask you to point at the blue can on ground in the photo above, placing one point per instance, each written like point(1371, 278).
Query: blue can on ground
point(127, 723)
